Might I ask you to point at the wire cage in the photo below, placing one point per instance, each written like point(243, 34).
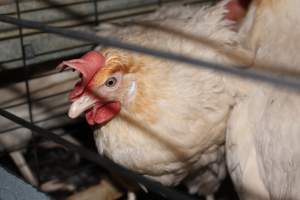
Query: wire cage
point(32, 90)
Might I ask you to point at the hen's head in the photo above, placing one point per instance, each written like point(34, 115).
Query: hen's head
point(105, 85)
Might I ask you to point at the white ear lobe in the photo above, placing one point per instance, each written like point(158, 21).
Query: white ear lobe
point(130, 78)
point(132, 89)
point(131, 92)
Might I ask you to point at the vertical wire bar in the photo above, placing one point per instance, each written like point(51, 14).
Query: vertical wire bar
point(28, 95)
point(160, 3)
point(95, 2)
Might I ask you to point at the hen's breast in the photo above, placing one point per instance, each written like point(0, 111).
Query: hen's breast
point(190, 119)
point(182, 111)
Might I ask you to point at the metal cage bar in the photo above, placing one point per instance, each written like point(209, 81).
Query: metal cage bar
point(153, 186)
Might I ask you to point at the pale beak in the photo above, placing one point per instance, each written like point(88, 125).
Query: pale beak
point(80, 105)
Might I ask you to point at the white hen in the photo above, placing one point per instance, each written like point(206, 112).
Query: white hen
point(173, 118)
point(263, 151)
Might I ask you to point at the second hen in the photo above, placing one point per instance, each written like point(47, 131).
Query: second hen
point(264, 131)
point(163, 119)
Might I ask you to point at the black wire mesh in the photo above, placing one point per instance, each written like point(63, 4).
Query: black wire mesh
point(26, 67)
point(91, 39)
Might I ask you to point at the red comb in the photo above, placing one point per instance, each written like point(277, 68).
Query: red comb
point(236, 10)
point(87, 65)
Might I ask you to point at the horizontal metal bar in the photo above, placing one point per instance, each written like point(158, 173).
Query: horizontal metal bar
point(151, 185)
point(47, 53)
point(85, 19)
point(47, 7)
point(199, 63)
point(37, 99)
point(15, 75)
point(135, 10)
point(35, 122)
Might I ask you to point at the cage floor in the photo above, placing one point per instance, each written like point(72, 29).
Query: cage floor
point(55, 163)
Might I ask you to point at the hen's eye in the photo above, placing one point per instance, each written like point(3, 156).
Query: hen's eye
point(111, 82)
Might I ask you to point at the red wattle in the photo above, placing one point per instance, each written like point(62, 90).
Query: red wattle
point(89, 117)
point(102, 113)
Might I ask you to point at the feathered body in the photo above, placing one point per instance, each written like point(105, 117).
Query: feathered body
point(174, 127)
point(263, 153)
point(172, 120)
